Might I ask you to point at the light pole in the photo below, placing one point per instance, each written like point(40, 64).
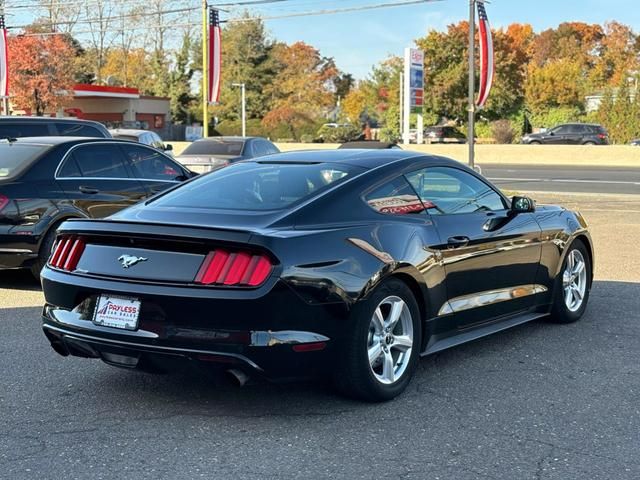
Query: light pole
point(205, 73)
point(244, 108)
point(472, 80)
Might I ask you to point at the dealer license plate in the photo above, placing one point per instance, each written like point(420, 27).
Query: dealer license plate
point(117, 312)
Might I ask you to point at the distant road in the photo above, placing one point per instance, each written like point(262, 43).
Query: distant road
point(563, 178)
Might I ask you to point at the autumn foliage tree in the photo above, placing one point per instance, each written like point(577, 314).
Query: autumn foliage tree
point(41, 68)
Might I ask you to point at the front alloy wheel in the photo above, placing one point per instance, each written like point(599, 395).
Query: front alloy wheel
point(573, 285)
point(574, 280)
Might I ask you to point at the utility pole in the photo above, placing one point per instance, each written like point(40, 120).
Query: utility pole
point(244, 107)
point(205, 70)
point(401, 102)
point(472, 83)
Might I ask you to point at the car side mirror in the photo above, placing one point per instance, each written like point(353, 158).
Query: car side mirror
point(522, 205)
point(552, 133)
point(168, 147)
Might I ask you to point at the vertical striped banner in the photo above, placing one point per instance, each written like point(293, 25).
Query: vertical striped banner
point(487, 65)
point(215, 56)
point(4, 59)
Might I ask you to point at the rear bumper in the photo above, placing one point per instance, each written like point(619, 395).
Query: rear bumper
point(16, 258)
point(274, 334)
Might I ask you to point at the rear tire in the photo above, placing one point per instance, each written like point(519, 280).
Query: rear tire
point(574, 285)
point(380, 356)
point(45, 252)
point(589, 143)
point(535, 142)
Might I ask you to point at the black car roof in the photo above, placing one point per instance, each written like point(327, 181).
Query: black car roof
point(361, 158)
point(61, 140)
point(22, 119)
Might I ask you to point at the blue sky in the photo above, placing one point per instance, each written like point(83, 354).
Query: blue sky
point(359, 40)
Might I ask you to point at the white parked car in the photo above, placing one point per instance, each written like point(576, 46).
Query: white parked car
point(145, 137)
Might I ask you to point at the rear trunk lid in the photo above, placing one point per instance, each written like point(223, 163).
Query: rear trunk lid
point(156, 252)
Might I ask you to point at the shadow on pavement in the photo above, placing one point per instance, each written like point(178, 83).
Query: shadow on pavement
point(501, 352)
point(18, 280)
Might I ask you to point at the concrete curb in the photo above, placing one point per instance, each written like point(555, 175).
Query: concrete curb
point(566, 155)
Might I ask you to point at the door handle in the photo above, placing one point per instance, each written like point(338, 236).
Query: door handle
point(457, 242)
point(89, 190)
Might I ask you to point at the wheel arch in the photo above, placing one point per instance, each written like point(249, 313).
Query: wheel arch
point(419, 291)
point(55, 223)
point(589, 247)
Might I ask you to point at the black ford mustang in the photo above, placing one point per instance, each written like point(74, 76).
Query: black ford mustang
point(350, 264)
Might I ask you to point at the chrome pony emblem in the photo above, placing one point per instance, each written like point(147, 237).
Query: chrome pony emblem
point(129, 260)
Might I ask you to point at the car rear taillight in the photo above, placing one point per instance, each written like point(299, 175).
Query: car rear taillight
point(602, 136)
point(222, 267)
point(67, 252)
point(4, 201)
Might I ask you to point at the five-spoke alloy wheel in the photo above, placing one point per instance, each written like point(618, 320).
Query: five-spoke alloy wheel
point(574, 284)
point(390, 340)
point(378, 360)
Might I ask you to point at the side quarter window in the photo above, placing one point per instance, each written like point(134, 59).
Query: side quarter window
point(446, 190)
point(394, 198)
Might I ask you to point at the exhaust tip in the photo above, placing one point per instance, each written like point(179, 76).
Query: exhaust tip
point(238, 377)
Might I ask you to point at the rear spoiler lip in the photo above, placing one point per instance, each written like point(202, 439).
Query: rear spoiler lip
point(146, 228)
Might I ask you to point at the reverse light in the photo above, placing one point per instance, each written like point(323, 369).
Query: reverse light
point(240, 268)
point(67, 253)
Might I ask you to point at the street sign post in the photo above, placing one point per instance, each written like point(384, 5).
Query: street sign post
point(413, 93)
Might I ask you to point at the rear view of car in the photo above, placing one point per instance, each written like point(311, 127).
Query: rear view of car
point(209, 154)
point(20, 212)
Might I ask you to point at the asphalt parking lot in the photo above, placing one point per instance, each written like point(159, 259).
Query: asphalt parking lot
point(540, 401)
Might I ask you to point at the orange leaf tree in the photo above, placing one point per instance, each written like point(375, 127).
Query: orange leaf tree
point(41, 69)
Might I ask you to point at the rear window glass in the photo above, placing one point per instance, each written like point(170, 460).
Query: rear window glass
point(213, 147)
point(257, 186)
point(78, 130)
point(14, 158)
point(18, 130)
point(131, 138)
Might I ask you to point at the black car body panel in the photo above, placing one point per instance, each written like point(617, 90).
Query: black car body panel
point(329, 252)
point(38, 198)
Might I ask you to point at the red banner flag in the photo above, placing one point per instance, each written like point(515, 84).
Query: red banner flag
point(215, 56)
point(4, 60)
point(487, 65)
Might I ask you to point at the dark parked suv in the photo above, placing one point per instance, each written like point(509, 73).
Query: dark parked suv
point(570, 134)
point(18, 127)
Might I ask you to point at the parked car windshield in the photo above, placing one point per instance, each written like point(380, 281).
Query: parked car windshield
point(257, 186)
point(213, 147)
point(14, 158)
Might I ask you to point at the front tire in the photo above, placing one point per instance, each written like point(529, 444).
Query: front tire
point(574, 285)
point(380, 356)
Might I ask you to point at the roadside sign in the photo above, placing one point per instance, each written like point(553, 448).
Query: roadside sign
point(413, 92)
